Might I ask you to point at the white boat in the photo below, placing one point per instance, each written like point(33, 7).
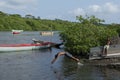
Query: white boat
point(46, 33)
point(20, 47)
point(16, 31)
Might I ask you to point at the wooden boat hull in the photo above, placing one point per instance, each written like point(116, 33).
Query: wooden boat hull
point(21, 47)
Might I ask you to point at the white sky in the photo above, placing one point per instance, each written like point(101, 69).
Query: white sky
point(108, 10)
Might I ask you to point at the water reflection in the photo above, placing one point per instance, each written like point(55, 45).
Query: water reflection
point(72, 71)
point(109, 74)
point(35, 64)
point(57, 72)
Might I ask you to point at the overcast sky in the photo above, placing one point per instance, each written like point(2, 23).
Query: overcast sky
point(109, 10)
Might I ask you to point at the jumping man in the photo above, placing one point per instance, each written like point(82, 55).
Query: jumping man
point(66, 54)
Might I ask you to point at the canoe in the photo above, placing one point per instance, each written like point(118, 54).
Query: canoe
point(16, 31)
point(20, 47)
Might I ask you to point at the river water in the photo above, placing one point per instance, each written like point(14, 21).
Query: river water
point(35, 64)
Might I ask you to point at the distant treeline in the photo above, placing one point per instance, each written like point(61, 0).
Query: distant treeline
point(30, 23)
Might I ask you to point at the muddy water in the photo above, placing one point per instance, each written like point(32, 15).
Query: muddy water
point(35, 64)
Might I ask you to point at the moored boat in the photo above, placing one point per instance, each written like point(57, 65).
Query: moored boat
point(16, 31)
point(20, 47)
point(46, 33)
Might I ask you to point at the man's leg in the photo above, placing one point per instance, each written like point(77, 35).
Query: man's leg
point(72, 57)
point(56, 56)
point(106, 50)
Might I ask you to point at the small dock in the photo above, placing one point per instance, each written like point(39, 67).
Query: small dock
point(108, 56)
point(113, 52)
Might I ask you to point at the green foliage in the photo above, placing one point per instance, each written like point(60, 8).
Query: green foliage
point(89, 20)
point(29, 23)
point(116, 27)
point(79, 38)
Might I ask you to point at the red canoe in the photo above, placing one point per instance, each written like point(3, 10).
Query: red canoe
point(19, 47)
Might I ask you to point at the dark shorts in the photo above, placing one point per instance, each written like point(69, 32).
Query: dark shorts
point(56, 55)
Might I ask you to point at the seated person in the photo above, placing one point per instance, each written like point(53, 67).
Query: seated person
point(106, 47)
